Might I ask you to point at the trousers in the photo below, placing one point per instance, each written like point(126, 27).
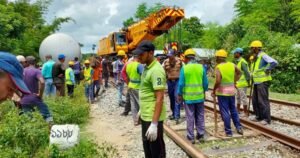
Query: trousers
point(155, 149)
point(70, 90)
point(175, 107)
point(134, 101)
point(228, 112)
point(120, 88)
point(195, 116)
point(49, 87)
point(89, 94)
point(260, 101)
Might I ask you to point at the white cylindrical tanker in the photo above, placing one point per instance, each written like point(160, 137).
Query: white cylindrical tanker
point(60, 43)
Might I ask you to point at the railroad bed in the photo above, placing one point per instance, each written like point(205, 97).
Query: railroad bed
point(253, 143)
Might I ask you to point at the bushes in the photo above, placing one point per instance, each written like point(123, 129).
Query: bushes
point(67, 110)
point(85, 148)
point(24, 136)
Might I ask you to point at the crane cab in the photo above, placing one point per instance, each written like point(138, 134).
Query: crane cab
point(113, 43)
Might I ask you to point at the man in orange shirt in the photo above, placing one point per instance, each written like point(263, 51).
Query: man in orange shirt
point(96, 78)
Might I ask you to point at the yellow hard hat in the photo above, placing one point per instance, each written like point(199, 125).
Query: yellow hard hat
point(189, 52)
point(121, 53)
point(251, 57)
point(221, 53)
point(174, 47)
point(71, 63)
point(86, 62)
point(256, 44)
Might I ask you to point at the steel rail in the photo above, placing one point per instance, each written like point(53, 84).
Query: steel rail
point(185, 145)
point(290, 122)
point(277, 101)
point(285, 139)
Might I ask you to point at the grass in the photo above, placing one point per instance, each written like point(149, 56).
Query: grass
point(22, 136)
point(273, 95)
point(223, 144)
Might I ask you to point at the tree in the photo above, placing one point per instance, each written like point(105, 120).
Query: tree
point(23, 27)
point(142, 12)
point(128, 22)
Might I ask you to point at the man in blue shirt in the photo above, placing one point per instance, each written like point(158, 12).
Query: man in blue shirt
point(191, 89)
point(47, 74)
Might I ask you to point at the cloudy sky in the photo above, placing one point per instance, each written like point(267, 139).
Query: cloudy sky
point(97, 18)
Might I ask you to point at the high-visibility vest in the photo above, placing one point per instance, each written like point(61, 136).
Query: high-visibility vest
point(68, 77)
point(87, 72)
point(193, 86)
point(227, 71)
point(134, 76)
point(259, 74)
point(242, 82)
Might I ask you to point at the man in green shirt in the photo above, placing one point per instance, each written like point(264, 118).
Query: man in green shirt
point(152, 107)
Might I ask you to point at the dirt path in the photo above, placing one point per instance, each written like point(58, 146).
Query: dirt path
point(106, 125)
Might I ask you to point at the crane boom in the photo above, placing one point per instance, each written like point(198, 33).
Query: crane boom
point(147, 29)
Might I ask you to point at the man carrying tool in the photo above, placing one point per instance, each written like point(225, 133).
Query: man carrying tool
point(152, 108)
point(227, 74)
point(70, 79)
point(58, 74)
point(172, 66)
point(88, 81)
point(11, 82)
point(191, 89)
point(243, 82)
point(261, 71)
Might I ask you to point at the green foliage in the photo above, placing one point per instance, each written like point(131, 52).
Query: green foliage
point(276, 24)
point(23, 136)
point(69, 110)
point(23, 27)
point(211, 37)
point(295, 4)
point(128, 22)
point(85, 148)
point(192, 30)
point(143, 10)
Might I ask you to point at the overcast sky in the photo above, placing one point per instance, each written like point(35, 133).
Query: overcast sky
point(97, 18)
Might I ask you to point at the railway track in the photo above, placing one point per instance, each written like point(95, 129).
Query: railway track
point(193, 151)
point(276, 101)
point(287, 140)
point(290, 122)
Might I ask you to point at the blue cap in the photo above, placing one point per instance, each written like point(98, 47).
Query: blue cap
point(61, 56)
point(238, 50)
point(144, 46)
point(11, 65)
point(171, 52)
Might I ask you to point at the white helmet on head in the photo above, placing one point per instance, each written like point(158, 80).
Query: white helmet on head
point(21, 58)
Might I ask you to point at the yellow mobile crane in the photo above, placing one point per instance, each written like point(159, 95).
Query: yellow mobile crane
point(147, 29)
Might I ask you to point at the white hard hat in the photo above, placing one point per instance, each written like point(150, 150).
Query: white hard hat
point(21, 58)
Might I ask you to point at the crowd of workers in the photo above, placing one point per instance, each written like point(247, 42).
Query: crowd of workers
point(147, 79)
point(187, 83)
